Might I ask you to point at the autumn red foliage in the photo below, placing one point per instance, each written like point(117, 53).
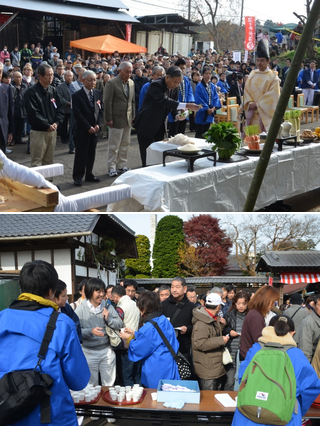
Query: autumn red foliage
point(206, 248)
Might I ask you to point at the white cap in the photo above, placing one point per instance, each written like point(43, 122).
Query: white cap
point(214, 299)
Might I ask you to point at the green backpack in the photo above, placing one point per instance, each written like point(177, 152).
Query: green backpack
point(267, 392)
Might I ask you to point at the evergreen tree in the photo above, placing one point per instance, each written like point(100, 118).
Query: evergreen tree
point(140, 268)
point(169, 236)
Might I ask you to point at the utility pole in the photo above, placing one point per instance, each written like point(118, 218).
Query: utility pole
point(189, 9)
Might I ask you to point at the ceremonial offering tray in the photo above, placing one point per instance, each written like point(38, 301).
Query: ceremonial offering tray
point(289, 140)
point(309, 139)
point(292, 143)
point(253, 151)
point(189, 157)
point(234, 159)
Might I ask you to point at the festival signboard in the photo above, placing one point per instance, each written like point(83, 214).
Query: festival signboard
point(250, 26)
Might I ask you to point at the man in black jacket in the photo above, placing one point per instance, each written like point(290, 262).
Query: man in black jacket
point(6, 114)
point(87, 109)
point(45, 113)
point(139, 81)
point(20, 114)
point(160, 98)
point(179, 309)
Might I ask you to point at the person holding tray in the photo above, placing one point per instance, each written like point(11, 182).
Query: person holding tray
point(147, 344)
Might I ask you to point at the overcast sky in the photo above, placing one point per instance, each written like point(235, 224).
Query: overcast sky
point(276, 10)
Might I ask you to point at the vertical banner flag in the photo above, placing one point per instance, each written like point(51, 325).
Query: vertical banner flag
point(250, 25)
point(128, 32)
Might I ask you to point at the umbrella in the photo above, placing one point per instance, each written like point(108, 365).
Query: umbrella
point(107, 44)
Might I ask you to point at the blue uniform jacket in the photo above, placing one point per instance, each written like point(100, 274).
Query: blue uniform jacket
point(157, 361)
point(201, 96)
point(188, 97)
point(306, 76)
point(308, 385)
point(143, 92)
point(21, 333)
point(299, 78)
point(224, 86)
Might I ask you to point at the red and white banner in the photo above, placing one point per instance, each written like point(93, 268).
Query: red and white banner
point(270, 281)
point(296, 278)
point(128, 32)
point(250, 26)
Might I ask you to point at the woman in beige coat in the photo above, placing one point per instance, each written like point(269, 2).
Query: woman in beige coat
point(208, 343)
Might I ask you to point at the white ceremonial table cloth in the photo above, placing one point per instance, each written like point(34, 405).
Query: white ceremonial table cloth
point(223, 188)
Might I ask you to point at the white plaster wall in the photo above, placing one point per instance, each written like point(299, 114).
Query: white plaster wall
point(62, 263)
point(23, 257)
point(7, 261)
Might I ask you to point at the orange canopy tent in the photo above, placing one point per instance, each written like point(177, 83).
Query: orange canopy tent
point(107, 44)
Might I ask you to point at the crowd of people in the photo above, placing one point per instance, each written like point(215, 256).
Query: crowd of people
point(53, 94)
point(199, 327)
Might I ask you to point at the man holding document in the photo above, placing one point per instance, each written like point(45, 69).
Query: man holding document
point(160, 98)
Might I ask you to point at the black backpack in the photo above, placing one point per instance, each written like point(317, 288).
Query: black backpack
point(22, 390)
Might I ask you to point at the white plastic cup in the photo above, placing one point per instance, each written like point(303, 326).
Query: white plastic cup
point(120, 398)
point(76, 399)
point(117, 388)
point(98, 388)
point(128, 388)
point(88, 398)
point(113, 396)
point(154, 396)
point(128, 397)
point(135, 398)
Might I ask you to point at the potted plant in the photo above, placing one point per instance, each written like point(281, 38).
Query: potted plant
point(225, 139)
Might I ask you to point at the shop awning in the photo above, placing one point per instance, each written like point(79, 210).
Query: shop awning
point(296, 278)
point(294, 288)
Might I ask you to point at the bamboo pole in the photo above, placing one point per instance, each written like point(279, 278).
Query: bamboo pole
point(281, 107)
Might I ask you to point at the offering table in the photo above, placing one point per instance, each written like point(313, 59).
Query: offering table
point(223, 188)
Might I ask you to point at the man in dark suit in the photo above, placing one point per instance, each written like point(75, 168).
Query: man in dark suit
point(87, 109)
point(160, 98)
point(6, 113)
point(64, 92)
